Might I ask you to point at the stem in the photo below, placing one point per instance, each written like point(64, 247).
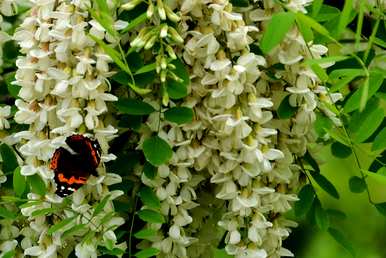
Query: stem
point(339, 113)
point(357, 162)
point(371, 39)
point(132, 224)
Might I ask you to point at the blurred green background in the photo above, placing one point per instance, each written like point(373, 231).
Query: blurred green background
point(363, 226)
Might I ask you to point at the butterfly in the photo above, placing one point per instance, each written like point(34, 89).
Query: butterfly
point(73, 169)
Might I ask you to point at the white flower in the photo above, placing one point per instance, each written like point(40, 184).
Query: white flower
point(228, 190)
point(251, 253)
point(86, 250)
point(8, 246)
point(5, 112)
point(298, 5)
point(222, 18)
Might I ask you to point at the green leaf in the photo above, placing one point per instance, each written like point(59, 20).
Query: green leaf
point(141, 81)
point(364, 90)
point(327, 13)
point(146, 68)
point(101, 205)
point(380, 141)
point(364, 124)
point(321, 216)
point(341, 77)
point(134, 23)
point(149, 170)
point(140, 91)
point(316, 6)
point(117, 252)
point(133, 107)
point(9, 254)
point(176, 89)
point(145, 79)
point(381, 208)
point(320, 72)
point(106, 218)
point(9, 158)
point(341, 239)
point(373, 84)
point(117, 58)
point(322, 124)
point(333, 213)
point(305, 30)
point(43, 212)
point(325, 184)
point(151, 216)
point(73, 230)
point(285, 110)
point(149, 198)
point(7, 214)
point(339, 135)
point(379, 177)
point(146, 234)
point(104, 18)
point(310, 160)
point(240, 3)
point(346, 72)
point(357, 184)
point(148, 252)
point(179, 115)
point(358, 33)
point(221, 253)
point(326, 59)
point(115, 55)
point(37, 184)
point(157, 151)
point(30, 204)
point(308, 21)
point(12, 89)
point(344, 18)
point(276, 30)
point(340, 150)
point(19, 182)
point(306, 198)
point(122, 78)
point(60, 225)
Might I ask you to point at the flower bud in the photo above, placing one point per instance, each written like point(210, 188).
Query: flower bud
point(150, 43)
point(163, 63)
point(163, 76)
point(150, 10)
point(171, 66)
point(164, 31)
point(165, 98)
point(161, 10)
point(171, 53)
point(171, 15)
point(175, 77)
point(131, 5)
point(175, 36)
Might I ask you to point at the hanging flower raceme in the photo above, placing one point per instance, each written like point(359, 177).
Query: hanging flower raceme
point(173, 184)
point(64, 91)
point(251, 149)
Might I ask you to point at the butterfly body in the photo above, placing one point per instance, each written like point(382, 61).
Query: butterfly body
point(73, 169)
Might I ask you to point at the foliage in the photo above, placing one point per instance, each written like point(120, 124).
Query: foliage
point(168, 146)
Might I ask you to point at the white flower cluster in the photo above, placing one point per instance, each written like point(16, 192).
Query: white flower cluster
point(241, 145)
point(64, 90)
point(237, 140)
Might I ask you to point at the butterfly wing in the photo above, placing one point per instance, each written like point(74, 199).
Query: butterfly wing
point(84, 146)
point(71, 171)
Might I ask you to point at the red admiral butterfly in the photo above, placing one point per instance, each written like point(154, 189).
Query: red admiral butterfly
point(73, 170)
